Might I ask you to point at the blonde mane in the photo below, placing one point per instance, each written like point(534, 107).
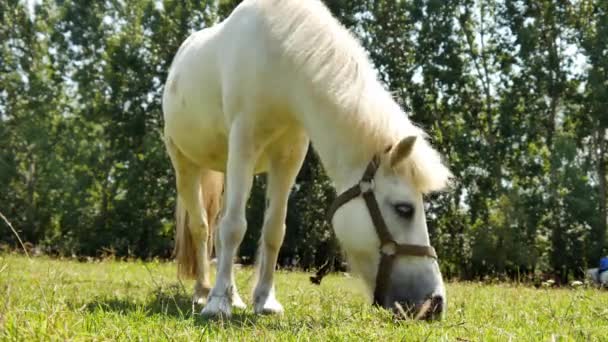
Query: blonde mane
point(327, 53)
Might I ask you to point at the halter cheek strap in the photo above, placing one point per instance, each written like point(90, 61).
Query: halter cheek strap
point(389, 248)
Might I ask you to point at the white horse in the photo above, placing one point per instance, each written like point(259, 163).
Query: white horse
point(246, 95)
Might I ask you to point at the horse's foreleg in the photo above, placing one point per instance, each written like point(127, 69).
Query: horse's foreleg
point(192, 229)
point(233, 224)
point(215, 241)
point(286, 157)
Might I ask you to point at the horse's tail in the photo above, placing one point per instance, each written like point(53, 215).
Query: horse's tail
point(186, 241)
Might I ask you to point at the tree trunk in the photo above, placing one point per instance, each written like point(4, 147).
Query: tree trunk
point(601, 174)
point(555, 214)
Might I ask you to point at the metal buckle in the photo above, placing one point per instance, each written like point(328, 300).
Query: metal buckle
point(366, 186)
point(389, 248)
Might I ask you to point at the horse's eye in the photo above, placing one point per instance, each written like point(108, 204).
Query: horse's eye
point(404, 210)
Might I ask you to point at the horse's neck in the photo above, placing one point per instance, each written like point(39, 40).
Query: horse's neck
point(344, 146)
point(344, 161)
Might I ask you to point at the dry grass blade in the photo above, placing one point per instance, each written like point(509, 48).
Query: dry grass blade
point(423, 309)
point(399, 309)
point(419, 311)
point(15, 232)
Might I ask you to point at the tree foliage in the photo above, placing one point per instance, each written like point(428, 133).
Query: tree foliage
point(513, 93)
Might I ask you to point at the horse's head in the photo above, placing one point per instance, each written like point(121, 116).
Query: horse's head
point(381, 225)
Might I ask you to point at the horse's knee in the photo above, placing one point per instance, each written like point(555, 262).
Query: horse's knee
point(232, 228)
point(273, 234)
point(199, 230)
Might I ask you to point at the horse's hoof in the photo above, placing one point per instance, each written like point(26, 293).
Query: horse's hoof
point(198, 300)
point(200, 294)
point(270, 306)
point(238, 303)
point(217, 307)
point(270, 310)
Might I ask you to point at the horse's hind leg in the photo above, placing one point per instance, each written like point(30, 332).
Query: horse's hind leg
point(192, 226)
point(286, 157)
point(211, 186)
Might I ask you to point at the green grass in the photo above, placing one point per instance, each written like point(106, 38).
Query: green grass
point(46, 299)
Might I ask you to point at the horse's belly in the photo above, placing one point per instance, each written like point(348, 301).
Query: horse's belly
point(200, 136)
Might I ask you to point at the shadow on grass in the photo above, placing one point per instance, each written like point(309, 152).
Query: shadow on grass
point(170, 301)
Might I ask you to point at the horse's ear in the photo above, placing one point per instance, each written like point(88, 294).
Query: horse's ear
point(402, 150)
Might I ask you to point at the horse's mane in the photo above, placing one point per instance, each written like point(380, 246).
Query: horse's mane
point(334, 60)
point(320, 48)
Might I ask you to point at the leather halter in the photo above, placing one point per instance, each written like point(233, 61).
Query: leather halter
point(389, 248)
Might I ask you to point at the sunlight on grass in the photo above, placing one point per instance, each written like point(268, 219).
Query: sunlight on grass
point(45, 299)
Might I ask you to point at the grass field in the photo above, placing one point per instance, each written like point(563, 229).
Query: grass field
point(46, 299)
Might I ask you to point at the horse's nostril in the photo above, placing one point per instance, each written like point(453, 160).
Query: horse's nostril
point(429, 309)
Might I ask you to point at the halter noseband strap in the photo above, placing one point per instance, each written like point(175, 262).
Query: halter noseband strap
point(389, 248)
